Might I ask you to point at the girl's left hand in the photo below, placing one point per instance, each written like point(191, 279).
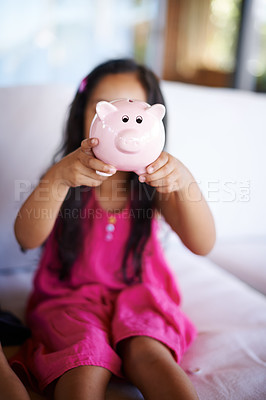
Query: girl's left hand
point(167, 174)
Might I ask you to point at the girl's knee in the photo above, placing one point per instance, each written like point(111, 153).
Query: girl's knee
point(142, 350)
point(150, 365)
point(82, 381)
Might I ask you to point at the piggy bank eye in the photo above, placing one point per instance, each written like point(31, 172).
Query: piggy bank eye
point(125, 118)
point(139, 119)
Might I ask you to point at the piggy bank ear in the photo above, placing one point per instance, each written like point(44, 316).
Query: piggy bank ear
point(157, 110)
point(103, 108)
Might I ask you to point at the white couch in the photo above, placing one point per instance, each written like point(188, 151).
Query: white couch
point(220, 135)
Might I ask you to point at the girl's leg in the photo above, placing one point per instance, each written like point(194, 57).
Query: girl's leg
point(10, 385)
point(150, 366)
point(83, 383)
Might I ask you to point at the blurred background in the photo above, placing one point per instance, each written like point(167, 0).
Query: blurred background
point(219, 43)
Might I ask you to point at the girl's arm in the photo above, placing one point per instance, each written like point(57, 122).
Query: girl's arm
point(37, 215)
point(36, 218)
point(181, 203)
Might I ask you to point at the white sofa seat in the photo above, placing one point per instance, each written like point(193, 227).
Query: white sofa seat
point(220, 135)
point(228, 358)
point(244, 258)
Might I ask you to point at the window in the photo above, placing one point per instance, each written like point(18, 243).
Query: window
point(217, 43)
point(62, 40)
point(201, 41)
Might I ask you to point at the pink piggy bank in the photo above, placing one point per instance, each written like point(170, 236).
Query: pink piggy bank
point(130, 132)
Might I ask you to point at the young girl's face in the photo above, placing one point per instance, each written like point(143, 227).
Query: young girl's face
point(111, 87)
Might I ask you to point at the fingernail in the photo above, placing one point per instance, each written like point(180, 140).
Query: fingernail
point(142, 178)
point(150, 170)
point(112, 170)
point(93, 141)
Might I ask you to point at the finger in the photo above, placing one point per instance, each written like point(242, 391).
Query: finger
point(158, 169)
point(100, 166)
point(163, 181)
point(88, 144)
point(94, 163)
point(88, 173)
point(158, 163)
point(163, 173)
point(102, 173)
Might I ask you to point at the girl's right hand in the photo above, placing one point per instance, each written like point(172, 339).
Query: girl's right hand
point(79, 167)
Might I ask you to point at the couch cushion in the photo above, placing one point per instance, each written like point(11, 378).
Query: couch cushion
point(228, 359)
point(220, 135)
point(31, 126)
point(245, 258)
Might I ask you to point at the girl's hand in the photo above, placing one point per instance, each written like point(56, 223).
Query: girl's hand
point(79, 167)
point(166, 174)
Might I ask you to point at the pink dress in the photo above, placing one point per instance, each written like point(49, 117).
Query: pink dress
point(80, 322)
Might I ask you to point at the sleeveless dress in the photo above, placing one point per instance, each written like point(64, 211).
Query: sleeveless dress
point(81, 321)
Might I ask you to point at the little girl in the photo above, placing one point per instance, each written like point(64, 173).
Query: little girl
point(104, 299)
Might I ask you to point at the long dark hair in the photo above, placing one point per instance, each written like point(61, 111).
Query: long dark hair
point(68, 229)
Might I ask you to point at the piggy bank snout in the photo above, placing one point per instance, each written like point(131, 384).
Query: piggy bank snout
point(129, 141)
